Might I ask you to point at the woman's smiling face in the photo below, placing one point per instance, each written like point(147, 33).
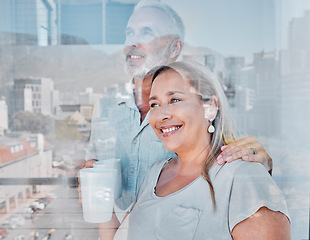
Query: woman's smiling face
point(177, 114)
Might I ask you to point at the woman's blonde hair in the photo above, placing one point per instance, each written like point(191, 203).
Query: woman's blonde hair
point(207, 85)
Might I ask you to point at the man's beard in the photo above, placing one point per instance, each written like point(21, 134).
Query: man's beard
point(155, 59)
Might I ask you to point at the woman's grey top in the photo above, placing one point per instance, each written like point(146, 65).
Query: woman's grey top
point(241, 189)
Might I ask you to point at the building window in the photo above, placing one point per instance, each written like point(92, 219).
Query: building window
point(12, 149)
point(3, 208)
point(16, 148)
point(27, 192)
point(12, 203)
point(20, 197)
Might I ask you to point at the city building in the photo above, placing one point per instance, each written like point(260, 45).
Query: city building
point(55, 101)
point(3, 115)
point(292, 158)
point(232, 73)
point(96, 22)
point(88, 97)
point(87, 111)
point(28, 156)
point(76, 115)
point(268, 94)
point(233, 67)
point(255, 93)
point(207, 60)
point(65, 111)
point(205, 56)
point(296, 82)
point(33, 22)
point(245, 100)
point(49, 22)
point(33, 95)
point(299, 43)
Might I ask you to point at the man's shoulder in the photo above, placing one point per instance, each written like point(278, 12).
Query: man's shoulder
point(116, 100)
point(107, 105)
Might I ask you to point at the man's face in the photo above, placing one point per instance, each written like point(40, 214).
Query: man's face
point(148, 40)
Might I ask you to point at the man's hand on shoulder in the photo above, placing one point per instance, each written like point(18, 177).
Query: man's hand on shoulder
point(248, 149)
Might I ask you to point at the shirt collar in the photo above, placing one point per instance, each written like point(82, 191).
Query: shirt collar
point(128, 100)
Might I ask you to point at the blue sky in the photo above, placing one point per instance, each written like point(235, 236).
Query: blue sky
point(238, 27)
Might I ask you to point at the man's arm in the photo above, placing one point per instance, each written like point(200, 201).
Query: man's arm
point(249, 150)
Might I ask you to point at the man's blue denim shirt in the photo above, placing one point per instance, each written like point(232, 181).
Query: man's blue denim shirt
point(116, 132)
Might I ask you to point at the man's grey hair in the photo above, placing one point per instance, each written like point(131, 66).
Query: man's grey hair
point(176, 25)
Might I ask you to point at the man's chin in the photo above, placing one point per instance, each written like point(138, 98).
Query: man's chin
point(130, 69)
point(136, 72)
point(141, 72)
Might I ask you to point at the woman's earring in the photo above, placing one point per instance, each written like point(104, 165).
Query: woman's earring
point(211, 128)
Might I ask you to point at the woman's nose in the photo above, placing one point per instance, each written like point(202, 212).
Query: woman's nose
point(165, 112)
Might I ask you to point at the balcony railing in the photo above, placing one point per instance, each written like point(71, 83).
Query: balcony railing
point(65, 181)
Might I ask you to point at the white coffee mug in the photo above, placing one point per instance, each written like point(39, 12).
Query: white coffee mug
point(97, 190)
point(113, 163)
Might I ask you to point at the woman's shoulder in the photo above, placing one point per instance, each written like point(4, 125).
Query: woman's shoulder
point(243, 169)
point(251, 187)
point(239, 166)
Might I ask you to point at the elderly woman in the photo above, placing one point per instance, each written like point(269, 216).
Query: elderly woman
point(191, 196)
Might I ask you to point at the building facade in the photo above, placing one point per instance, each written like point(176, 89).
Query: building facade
point(3, 115)
point(29, 22)
point(25, 157)
point(33, 95)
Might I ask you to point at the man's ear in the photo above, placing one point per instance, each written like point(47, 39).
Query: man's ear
point(211, 108)
point(176, 48)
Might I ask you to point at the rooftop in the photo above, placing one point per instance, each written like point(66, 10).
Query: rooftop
point(14, 149)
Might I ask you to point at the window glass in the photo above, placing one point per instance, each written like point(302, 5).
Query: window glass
point(59, 57)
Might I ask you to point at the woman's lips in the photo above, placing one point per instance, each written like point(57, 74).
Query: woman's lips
point(166, 131)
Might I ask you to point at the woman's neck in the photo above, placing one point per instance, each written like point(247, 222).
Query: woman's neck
point(192, 162)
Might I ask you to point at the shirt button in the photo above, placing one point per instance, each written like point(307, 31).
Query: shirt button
point(137, 114)
point(131, 199)
point(132, 170)
point(134, 141)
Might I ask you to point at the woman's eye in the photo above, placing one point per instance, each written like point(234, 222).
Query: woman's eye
point(174, 100)
point(153, 105)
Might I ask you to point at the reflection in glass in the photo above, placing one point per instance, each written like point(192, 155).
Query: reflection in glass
point(52, 53)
